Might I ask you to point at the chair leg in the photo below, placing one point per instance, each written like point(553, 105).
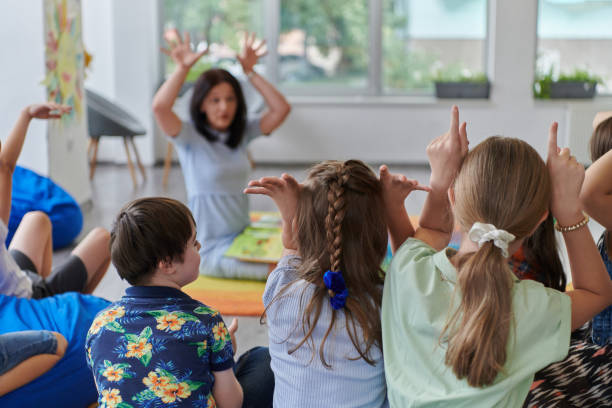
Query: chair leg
point(140, 166)
point(94, 158)
point(129, 160)
point(167, 164)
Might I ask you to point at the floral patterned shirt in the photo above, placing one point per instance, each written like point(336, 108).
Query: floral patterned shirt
point(157, 347)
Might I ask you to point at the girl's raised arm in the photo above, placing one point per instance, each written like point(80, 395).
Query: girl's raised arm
point(166, 95)
point(278, 107)
point(596, 193)
point(592, 286)
point(446, 153)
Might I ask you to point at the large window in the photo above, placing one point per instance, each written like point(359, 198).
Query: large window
point(220, 25)
point(575, 35)
point(346, 47)
point(427, 40)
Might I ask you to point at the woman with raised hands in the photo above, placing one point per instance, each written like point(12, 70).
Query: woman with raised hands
point(212, 147)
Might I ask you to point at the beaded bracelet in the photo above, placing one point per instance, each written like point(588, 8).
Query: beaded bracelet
point(574, 227)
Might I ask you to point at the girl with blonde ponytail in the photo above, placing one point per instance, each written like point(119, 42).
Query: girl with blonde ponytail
point(323, 299)
point(459, 329)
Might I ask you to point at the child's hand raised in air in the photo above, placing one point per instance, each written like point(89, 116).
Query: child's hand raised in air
point(284, 191)
point(48, 110)
point(446, 153)
point(566, 176)
point(396, 187)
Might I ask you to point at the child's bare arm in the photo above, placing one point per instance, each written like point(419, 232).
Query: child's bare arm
point(13, 145)
point(226, 389)
point(446, 153)
point(592, 285)
point(396, 188)
point(596, 193)
point(285, 192)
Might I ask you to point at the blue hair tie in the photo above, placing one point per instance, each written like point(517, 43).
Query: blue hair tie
point(336, 288)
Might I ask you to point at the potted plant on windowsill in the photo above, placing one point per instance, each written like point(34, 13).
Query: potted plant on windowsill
point(464, 85)
point(580, 84)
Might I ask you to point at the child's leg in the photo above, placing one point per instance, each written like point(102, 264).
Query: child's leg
point(39, 351)
point(86, 266)
point(256, 378)
point(33, 239)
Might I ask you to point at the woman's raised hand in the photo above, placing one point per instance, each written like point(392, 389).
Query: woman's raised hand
point(180, 51)
point(285, 191)
point(250, 53)
point(396, 187)
point(567, 176)
point(446, 153)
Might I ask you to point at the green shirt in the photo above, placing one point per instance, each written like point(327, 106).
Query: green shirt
point(417, 298)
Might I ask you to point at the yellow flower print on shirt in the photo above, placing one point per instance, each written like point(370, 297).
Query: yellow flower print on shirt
point(170, 321)
point(139, 348)
point(107, 317)
point(220, 331)
point(174, 391)
point(111, 398)
point(113, 373)
point(154, 382)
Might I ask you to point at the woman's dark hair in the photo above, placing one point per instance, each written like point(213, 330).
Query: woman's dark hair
point(542, 254)
point(208, 80)
point(147, 231)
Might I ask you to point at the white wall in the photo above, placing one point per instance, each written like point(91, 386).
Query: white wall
point(123, 36)
point(54, 149)
point(22, 70)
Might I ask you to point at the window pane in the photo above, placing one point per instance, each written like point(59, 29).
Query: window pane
point(576, 34)
point(427, 39)
point(323, 42)
point(221, 24)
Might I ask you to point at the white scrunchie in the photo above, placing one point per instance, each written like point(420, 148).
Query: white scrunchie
point(482, 233)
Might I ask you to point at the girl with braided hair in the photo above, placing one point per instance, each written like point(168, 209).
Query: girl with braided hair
point(459, 329)
point(323, 299)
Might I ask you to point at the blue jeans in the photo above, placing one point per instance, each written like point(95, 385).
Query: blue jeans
point(254, 374)
point(19, 346)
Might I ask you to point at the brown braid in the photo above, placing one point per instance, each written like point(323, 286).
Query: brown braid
point(335, 215)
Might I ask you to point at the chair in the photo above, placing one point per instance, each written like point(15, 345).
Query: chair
point(105, 118)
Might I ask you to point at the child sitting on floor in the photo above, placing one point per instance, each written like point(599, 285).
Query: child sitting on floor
point(25, 269)
point(323, 299)
point(596, 197)
point(156, 344)
point(458, 328)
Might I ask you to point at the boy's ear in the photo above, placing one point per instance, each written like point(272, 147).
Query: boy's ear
point(166, 267)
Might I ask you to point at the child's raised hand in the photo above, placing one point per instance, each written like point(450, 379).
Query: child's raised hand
point(567, 176)
point(285, 192)
point(250, 53)
point(396, 187)
point(48, 110)
point(446, 153)
point(180, 51)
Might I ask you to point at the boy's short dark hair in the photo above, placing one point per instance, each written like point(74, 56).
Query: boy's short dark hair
point(147, 231)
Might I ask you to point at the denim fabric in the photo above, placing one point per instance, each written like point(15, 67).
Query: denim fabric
point(602, 323)
point(19, 346)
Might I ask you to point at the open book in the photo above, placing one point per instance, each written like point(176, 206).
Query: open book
point(260, 242)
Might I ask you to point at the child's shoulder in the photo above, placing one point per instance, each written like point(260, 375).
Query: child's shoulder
point(412, 250)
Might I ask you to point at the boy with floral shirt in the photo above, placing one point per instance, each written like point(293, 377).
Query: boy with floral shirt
point(158, 346)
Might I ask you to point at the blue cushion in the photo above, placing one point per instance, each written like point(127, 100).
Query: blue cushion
point(33, 192)
point(70, 382)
